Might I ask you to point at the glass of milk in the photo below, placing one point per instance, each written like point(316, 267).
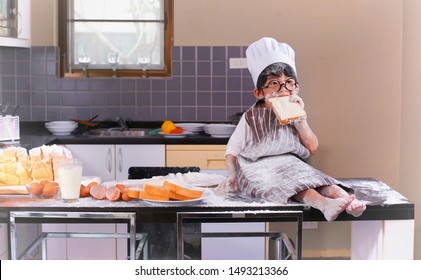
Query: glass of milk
point(70, 178)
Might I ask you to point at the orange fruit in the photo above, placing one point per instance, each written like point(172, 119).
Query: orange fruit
point(50, 189)
point(167, 126)
point(84, 191)
point(35, 189)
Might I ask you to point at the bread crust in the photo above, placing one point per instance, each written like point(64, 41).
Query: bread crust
point(286, 111)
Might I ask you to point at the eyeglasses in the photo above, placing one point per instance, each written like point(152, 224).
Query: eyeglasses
point(276, 86)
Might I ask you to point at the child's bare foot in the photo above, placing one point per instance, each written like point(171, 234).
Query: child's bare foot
point(336, 206)
point(356, 207)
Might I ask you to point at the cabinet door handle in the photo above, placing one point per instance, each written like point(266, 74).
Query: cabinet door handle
point(108, 161)
point(120, 160)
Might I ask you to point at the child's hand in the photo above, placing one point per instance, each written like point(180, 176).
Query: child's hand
point(232, 182)
point(296, 98)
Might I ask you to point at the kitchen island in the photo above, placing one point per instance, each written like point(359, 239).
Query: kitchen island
point(384, 231)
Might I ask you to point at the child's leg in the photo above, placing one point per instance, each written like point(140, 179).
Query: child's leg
point(330, 207)
point(355, 208)
point(332, 191)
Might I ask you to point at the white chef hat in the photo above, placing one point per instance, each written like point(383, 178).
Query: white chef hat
point(266, 51)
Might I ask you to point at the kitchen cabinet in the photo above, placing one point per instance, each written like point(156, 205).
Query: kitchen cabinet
point(16, 27)
point(211, 159)
point(207, 157)
point(3, 242)
point(110, 162)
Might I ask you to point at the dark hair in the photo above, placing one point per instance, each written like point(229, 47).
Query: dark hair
point(275, 69)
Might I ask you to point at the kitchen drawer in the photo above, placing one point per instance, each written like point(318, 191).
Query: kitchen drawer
point(203, 156)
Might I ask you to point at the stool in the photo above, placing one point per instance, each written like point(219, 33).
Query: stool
point(284, 247)
point(40, 215)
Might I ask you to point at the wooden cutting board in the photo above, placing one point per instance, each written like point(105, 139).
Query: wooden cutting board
point(13, 190)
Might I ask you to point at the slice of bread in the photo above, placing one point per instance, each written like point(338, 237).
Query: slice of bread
point(287, 111)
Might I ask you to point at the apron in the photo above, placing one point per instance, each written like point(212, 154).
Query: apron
point(273, 164)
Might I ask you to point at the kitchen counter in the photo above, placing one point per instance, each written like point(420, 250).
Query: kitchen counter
point(389, 215)
point(33, 134)
point(383, 203)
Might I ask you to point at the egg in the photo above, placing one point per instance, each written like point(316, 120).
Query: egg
point(84, 191)
point(50, 189)
point(44, 182)
point(91, 184)
point(35, 189)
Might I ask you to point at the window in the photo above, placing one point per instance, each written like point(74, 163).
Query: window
point(124, 38)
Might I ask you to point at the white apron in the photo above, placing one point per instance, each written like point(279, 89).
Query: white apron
point(273, 164)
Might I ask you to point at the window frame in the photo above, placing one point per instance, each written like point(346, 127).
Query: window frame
point(76, 73)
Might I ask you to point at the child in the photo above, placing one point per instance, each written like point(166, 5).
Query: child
point(268, 160)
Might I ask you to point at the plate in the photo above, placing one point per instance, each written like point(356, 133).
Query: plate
point(192, 127)
point(206, 194)
point(221, 135)
point(175, 135)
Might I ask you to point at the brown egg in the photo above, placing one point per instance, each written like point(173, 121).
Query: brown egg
point(91, 184)
point(125, 197)
point(50, 189)
point(84, 191)
point(44, 182)
point(35, 189)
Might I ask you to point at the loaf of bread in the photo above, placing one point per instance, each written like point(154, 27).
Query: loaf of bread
point(18, 167)
point(14, 166)
point(287, 111)
point(44, 161)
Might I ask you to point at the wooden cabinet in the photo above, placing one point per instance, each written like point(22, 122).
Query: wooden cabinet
point(110, 162)
point(207, 157)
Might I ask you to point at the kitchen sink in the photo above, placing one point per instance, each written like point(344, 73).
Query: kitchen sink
point(115, 132)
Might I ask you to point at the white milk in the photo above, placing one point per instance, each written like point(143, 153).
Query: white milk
point(70, 178)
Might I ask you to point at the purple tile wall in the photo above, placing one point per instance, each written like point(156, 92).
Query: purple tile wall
point(202, 88)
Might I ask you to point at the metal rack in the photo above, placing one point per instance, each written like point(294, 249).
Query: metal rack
point(41, 216)
point(284, 247)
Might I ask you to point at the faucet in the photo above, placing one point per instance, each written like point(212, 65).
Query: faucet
point(122, 123)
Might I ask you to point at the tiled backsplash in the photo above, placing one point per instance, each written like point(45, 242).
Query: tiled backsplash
point(202, 88)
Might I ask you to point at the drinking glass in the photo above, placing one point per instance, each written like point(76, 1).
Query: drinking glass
point(70, 178)
point(143, 59)
point(84, 61)
point(113, 60)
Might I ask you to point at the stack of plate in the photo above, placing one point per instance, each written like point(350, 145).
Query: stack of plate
point(61, 127)
point(194, 128)
point(220, 130)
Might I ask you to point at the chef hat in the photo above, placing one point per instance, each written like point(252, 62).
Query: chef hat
point(266, 51)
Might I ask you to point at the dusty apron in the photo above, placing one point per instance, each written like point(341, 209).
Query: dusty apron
point(273, 164)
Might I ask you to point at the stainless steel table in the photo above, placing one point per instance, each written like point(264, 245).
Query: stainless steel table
point(43, 216)
point(388, 215)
